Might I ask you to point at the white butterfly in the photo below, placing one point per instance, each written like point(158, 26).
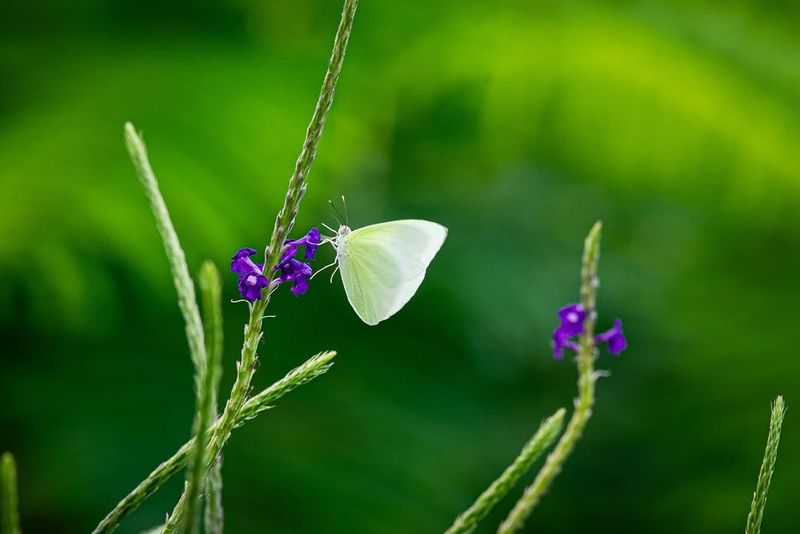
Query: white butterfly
point(383, 265)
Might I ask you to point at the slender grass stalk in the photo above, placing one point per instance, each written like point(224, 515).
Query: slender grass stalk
point(767, 468)
point(312, 368)
point(297, 183)
point(9, 499)
point(308, 371)
point(211, 301)
point(205, 415)
point(546, 434)
point(177, 260)
point(283, 225)
point(585, 401)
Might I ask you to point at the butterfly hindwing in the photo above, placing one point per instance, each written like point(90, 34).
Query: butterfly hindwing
point(383, 265)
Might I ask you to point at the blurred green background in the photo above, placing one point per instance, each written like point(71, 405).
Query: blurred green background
point(515, 124)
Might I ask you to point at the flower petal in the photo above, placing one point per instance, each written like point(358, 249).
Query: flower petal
point(614, 337)
point(572, 319)
point(313, 239)
point(242, 264)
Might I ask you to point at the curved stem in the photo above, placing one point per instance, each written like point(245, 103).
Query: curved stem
point(205, 416)
point(211, 300)
point(583, 404)
point(297, 183)
point(543, 438)
point(311, 369)
point(172, 246)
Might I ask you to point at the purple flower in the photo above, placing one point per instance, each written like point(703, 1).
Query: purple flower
point(251, 276)
point(250, 285)
point(572, 318)
point(560, 342)
point(311, 241)
point(297, 272)
point(614, 337)
point(299, 285)
point(242, 264)
point(293, 270)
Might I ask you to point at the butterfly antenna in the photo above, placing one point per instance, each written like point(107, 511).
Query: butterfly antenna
point(338, 215)
point(346, 218)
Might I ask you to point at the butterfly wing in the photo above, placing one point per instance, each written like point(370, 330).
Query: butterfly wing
point(383, 265)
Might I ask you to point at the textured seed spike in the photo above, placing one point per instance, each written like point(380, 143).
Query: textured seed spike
point(767, 467)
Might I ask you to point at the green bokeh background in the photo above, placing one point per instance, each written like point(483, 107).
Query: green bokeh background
point(515, 124)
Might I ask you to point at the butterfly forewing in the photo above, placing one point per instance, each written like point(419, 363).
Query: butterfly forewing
point(384, 264)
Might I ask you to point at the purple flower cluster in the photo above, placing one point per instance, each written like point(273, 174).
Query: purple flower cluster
point(572, 318)
point(251, 275)
point(293, 270)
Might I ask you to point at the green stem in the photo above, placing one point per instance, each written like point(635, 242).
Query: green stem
point(177, 260)
point(767, 468)
point(547, 433)
point(283, 225)
point(9, 499)
point(583, 404)
point(205, 414)
point(297, 183)
point(211, 300)
point(311, 369)
point(308, 371)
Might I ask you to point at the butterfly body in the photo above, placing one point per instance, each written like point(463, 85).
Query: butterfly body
point(383, 265)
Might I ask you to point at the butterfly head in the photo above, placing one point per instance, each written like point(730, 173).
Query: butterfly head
point(342, 231)
point(338, 237)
